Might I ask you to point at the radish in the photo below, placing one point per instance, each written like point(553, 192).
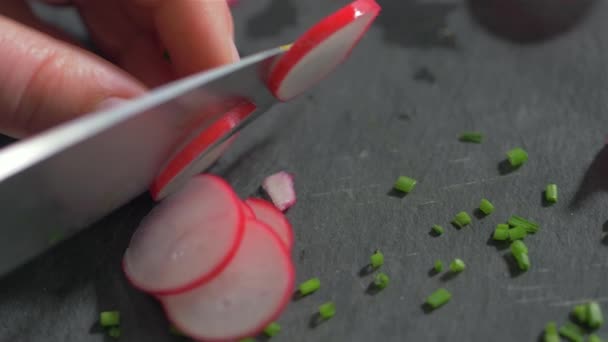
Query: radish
point(265, 212)
point(249, 294)
point(280, 189)
point(189, 161)
point(188, 239)
point(249, 214)
point(321, 49)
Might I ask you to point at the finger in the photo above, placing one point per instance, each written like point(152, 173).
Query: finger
point(44, 81)
point(197, 34)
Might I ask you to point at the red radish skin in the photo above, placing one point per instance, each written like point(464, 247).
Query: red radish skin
point(321, 49)
point(247, 296)
point(267, 213)
point(249, 214)
point(187, 240)
point(187, 162)
point(280, 189)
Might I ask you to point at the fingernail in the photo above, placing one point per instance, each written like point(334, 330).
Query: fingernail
point(108, 103)
point(235, 53)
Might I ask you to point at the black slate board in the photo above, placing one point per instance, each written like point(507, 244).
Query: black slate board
point(396, 107)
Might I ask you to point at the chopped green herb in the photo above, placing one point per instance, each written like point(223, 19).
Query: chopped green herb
point(486, 207)
point(571, 332)
point(517, 157)
point(595, 319)
point(438, 266)
point(523, 261)
point(461, 219)
point(381, 280)
point(109, 318)
point(377, 259)
point(174, 331)
point(517, 233)
point(501, 232)
point(437, 229)
point(519, 247)
point(457, 265)
point(518, 221)
point(309, 286)
point(551, 334)
point(473, 137)
point(166, 56)
point(327, 310)
point(272, 329)
point(405, 184)
point(551, 193)
point(114, 332)
point(579, 313)
point(55, 237)
point(594, 338)
point(438, 298)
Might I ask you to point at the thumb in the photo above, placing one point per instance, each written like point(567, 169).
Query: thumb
point(44, 81)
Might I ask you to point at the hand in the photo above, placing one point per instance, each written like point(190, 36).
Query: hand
point(45, 78)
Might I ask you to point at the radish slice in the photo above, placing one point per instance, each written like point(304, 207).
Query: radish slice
point(249, 294)
point(265, 212)
point(189, 161)
point(280, 189)
point(321, 49)
point(188, 239)
point(249, 214)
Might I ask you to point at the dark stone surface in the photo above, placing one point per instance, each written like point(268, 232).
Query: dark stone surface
point(347, 141)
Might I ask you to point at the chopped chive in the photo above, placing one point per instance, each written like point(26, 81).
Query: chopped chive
point(55, 237)
point(519, 247)
point(461, 219)
point(595, 319)
point(472, 137)
point(457, 265)
point(438, 298)
point(486, 207)
point(114, 332)
point(501, 232)
point(272, 329)
point(579, 313)
point(381, 280)
point(405, 184)
point(437, 229)
point(517, 157)
point(166, 56)
point(523, 261)
point(551, 334)
point(327, 310)
point(517, 233)
point(515, 221)
point(438, 266)
point(551, 193)
point(594, 338)
point(309, 286)
point(571, 332)
point(377, 259)
point(109, 318)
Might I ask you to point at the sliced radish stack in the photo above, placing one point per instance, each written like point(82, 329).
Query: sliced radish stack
point(189, 160)
point(280, 189)
point(249, 294)
point(188, 239)
point(249, 214)
point(265, 212)
point(321, 49)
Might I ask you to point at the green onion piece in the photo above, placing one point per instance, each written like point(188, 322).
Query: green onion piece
point(377, 259)
point(438, 298)
point(166, 56)
point(55, 237)
point(517, 157)
point(551, 334)
point(472, 137)
point(501, 232)
point(327, 310)
point(571, 332)
point(309, 286)
point(438, 266)
point(517, 233)
point(109, 318)
point(461, 219)
point(381, 280)
point(594, 338)
point(486, 207)
point(523, 261)
point(272, 329)
point(437, 229)
point(595, 319)
point(405, 184)
point(114, 332)
point(457, 266)
point(519, 247)
point(580, 313)
point(516, 221)
point(551, 193)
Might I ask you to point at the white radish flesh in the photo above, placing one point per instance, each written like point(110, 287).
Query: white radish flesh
point(188, 239)
point(249, 294)
point(321, 49)
point(280, 189)
point(264, 211)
